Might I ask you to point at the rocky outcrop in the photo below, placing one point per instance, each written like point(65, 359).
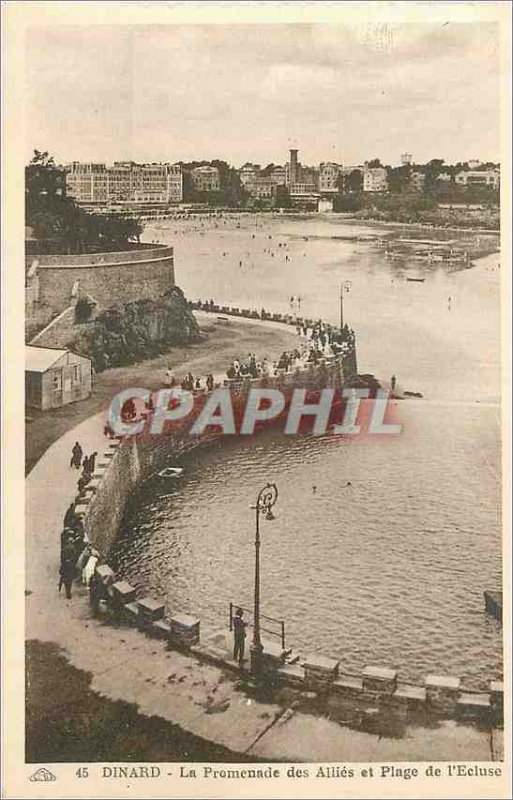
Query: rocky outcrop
point(126, 333)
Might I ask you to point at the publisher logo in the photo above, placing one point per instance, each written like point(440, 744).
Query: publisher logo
point(42, 774)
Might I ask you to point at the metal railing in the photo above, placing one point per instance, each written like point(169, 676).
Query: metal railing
point(280, 633)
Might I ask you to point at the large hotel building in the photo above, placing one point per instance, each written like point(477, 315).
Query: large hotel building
point(124, 182)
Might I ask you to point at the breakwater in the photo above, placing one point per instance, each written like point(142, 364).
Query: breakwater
point(348, 360)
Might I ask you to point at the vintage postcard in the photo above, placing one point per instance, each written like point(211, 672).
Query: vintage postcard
point(256, 429)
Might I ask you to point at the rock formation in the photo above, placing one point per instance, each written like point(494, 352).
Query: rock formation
point(126, 333)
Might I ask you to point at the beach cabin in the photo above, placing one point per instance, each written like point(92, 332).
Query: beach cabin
point(54, 378)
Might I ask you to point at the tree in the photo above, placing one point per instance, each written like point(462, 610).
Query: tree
point(354, 181)
point(282, 197)
point(432, 170)
point(399, 178)
point(347, 203)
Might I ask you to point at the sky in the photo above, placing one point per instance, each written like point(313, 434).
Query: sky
point(250, 92)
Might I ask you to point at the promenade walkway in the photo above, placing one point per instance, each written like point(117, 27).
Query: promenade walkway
point(124, 664)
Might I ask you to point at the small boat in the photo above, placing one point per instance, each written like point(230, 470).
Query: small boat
point(416, 280)
point(171, 472)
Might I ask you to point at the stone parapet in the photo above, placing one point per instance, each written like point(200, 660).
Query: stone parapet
point(497, 695)
point(123, 592)
point(320, 671)
point(379, 680)
point(152, 610)
point(442, 692)
point(409, 695)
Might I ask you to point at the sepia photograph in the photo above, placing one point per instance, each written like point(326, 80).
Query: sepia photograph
point(265, 399)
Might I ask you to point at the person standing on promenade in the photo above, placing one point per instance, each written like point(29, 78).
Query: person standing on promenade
point(167, 376)
point(68, 569)
point(66, 537)
point(108, 430)
point(95, 593)
point(393, 382)
point(92, 462)
point(239, 637)
point(76, 456)
point(89, 569)
point(70, 516)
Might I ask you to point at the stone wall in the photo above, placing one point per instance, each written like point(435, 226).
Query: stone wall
point(107, 277)
point(123, 466)
point(118, 471)
point(58, 332)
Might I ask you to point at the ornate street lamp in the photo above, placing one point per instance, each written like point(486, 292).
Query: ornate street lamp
point(266, 499)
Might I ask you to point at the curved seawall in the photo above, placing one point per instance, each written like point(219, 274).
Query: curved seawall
point(126, 464)
point(107, 277)
point(129, 462)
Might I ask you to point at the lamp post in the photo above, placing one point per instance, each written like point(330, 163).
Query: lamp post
point(266, 499)
point(345, 286)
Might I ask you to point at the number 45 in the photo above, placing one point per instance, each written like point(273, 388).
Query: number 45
point(82, 772)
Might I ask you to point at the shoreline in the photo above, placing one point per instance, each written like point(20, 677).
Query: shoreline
point(427, 225)
point(331, 215)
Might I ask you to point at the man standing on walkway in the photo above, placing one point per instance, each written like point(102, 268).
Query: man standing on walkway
point(70, 516)
point(92, 462)
point(68, 569)
point(239, 636)
point(95, 593)
point(76, 456)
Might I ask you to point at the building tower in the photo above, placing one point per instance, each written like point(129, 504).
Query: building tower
point(406, 159)
point(294, 176)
